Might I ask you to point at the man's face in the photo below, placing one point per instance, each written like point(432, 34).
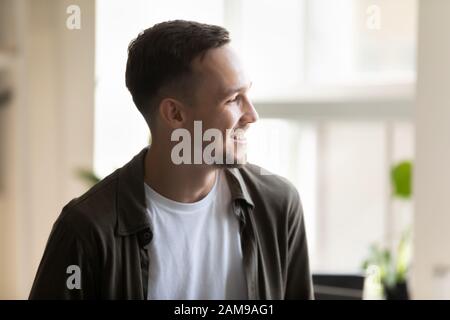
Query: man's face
point(222, 102)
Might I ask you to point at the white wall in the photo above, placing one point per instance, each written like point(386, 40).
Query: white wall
point(50, 131)
point(431, 268)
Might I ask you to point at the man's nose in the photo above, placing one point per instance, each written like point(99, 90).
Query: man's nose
point(250, 113)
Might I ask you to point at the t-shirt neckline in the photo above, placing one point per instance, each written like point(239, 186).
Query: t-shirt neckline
point(158, 199)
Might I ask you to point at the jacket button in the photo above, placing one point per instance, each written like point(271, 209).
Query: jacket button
point(147, 235)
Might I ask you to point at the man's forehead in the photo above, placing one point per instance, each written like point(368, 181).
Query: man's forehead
point(221, 68)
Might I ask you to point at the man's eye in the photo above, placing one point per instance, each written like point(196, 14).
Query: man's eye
point(233, 100)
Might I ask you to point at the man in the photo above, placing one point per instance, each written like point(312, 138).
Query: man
point(161, 228)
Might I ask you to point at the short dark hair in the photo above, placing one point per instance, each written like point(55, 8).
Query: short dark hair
point(161, 56)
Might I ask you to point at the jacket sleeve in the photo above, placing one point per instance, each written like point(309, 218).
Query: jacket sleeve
point(298, 283)
point(65, 271)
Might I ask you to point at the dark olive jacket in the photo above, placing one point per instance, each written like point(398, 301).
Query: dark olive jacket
point(105, 233)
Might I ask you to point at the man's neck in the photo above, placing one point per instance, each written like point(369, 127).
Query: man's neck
point(182, 183)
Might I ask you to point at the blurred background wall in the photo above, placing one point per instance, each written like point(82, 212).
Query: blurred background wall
point(432, 176)
point(47, 128)
point(345, 90)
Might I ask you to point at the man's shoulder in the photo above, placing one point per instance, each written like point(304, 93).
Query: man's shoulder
point(93, 209)
point(274, 188)
point(267, 179)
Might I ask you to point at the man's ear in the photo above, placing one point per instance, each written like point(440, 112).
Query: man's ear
point(172, 113)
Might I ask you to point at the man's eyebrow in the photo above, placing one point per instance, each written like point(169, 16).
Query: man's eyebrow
point(229, 92)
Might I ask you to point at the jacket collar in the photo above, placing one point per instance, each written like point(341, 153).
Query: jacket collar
point(131, 206)
point(237, 186)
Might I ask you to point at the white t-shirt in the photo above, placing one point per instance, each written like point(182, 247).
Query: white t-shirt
point(196, 249)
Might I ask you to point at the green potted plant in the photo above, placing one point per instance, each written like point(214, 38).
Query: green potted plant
point(392, 267)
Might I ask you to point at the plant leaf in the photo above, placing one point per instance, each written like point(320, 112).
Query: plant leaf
point(401, 179)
